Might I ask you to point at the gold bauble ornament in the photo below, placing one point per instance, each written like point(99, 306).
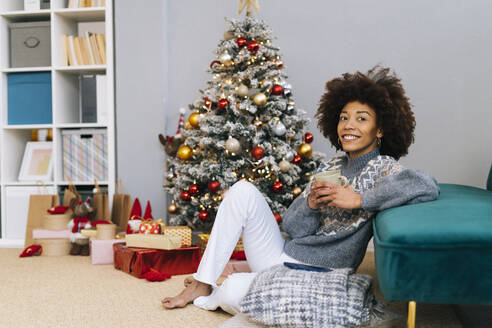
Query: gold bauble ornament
point(188, 125)
point(172, 208)
point(194, 119)
point(305, 150)
point(296, 191)
point(260, 99)
point(242, 90)
point(184, 152)
point(257, 123)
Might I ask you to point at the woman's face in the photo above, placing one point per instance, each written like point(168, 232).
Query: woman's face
point(357, 130)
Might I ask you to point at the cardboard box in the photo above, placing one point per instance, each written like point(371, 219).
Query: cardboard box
point(153, 241)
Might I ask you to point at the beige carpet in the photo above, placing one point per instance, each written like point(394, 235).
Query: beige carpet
point(70, 292)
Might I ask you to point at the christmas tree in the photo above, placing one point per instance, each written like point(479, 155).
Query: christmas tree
point(244, 126)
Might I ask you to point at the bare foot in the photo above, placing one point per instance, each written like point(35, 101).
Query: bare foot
point(193, 290)
point(188, 281)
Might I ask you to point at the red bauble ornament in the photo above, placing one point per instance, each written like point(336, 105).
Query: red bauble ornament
point(297, 160)
point(241, 42)
point(278, 187)
point(308, 137)
point(215, 64)
point(193, 189)
point(204, 216)
point(278, 218)
point(207, 102)
point(258, 152)
point(185, 195)
point(253, 46)
point(277, 90)
point(214, 186)
point(223, 103)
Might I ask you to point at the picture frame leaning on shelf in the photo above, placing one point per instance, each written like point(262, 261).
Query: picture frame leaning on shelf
point(37, 163)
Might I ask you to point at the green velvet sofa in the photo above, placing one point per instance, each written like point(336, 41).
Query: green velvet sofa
point(437, 252)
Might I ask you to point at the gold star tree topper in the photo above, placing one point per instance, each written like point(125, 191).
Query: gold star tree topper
point(249, 5)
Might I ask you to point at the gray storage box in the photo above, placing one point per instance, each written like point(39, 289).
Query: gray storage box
point(30, 44)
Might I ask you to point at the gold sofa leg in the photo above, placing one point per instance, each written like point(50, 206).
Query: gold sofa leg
point(412, 308)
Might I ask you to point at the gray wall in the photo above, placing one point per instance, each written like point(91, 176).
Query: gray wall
point(441, 49)
point(140, 58)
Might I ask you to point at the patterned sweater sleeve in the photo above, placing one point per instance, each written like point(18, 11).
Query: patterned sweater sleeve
point(300, 220)
point(396, 185)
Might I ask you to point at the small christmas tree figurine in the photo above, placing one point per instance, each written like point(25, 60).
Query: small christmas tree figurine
point(244, 126)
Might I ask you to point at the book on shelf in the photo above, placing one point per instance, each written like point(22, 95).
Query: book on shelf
point(84, 50)
point(86, 3)
point(93, 99)
point(88, 99)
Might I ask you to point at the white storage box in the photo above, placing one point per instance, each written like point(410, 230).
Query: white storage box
point(85, 154)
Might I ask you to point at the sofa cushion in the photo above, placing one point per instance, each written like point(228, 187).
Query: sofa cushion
point(461, 216)
point(439, 251)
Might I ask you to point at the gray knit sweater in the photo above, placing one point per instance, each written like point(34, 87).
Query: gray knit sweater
point(337, 238)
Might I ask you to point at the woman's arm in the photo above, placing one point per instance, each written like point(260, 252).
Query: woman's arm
point(404, 187)
point(300, 220)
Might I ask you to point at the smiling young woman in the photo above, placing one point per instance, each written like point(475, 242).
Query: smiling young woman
point(357, 129)
point(367, 116)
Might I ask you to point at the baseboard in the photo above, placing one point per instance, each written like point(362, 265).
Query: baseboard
point(11, 243)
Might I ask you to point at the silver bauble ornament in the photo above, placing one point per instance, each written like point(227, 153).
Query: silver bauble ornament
point(284, 166)
point(289, 156)
point(233, 145)
point(279, 129)
point(242, 90)
point(225, 58)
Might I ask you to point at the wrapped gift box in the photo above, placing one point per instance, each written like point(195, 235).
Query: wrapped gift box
point(234, 266)
point(102, 250)
point(153, 241)
point(138, 261)
point(203, 240)
point(50, 234)
point(184, 232)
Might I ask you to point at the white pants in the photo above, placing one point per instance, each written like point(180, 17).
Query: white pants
point(244, 211)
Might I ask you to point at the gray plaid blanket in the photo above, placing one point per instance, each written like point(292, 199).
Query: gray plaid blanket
point(283, 297)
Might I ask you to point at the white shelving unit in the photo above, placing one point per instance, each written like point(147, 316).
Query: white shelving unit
point(65, 105)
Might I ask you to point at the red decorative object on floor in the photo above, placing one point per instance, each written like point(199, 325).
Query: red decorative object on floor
point(32, 250)
point(154, 275)
point(138, 261)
